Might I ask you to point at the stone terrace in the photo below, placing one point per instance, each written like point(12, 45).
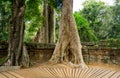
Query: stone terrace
point(60, 72)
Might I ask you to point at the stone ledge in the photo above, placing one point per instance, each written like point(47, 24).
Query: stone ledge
point(9, 68)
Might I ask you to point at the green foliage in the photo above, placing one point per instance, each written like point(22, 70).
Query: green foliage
point(99, 17)
point(115, 30)
point(57, 4)
point(2, 60)
point(111, 42)
point(85, 32)
point(5, 12)
point(53, 3)
point(91, 11)
point(33, 18)
point(33, 9)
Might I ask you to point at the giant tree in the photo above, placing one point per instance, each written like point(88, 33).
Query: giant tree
point(68, 48)
point(17, 54)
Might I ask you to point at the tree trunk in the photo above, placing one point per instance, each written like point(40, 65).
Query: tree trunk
point(16, 53)
point(68, 48)
point(51, 24)
point(46, 34)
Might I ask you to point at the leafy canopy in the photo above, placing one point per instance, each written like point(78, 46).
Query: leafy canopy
point(85, 32)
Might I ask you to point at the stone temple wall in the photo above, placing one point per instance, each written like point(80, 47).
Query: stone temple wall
point(42, 53)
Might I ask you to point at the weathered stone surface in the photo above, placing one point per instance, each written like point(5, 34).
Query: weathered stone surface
point(8, 68)
point(92, 54)
point(60, 71)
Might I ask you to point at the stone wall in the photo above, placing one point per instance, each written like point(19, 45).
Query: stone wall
point(91, 54)
point(101, 55)
point(41, 55)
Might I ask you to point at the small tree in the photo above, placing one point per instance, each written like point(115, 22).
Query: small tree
point(68, 48)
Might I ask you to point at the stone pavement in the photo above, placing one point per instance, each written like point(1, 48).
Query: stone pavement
point(60, 72)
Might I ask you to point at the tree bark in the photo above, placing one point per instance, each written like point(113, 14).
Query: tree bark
point(51, 24)
point(16, 51)
point(46, 34)
point(68, 48)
